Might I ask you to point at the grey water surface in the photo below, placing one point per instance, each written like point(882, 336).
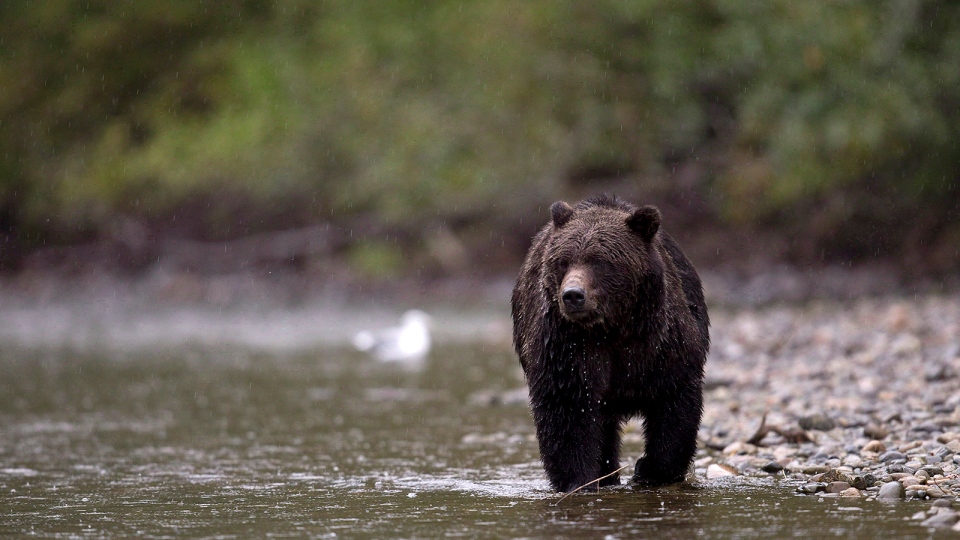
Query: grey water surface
point(224, 441)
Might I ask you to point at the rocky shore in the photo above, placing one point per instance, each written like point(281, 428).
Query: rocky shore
point(846, 399)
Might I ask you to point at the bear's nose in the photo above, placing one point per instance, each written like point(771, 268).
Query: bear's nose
point(574, 297)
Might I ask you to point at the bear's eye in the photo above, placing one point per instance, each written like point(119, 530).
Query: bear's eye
point(602, 267)
point(563, 265)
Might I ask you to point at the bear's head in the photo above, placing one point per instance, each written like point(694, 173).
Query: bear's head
point(600, 257)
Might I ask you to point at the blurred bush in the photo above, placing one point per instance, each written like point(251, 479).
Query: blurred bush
point(832, 124)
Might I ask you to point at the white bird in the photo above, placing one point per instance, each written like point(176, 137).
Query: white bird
point(408, 343)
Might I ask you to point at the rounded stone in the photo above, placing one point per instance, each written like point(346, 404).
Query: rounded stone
point(820, 422)
point(909, 481)
point(874, 446)
point(875, 432)
point(837, 487)
point(862, 482)
point(853, 460)
point(891, 490)
point(850, 492)
point(892, 455)
point(772, 467)
point(716, 470)
point(812, 487)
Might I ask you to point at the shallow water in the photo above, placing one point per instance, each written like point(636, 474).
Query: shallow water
point(228, 442)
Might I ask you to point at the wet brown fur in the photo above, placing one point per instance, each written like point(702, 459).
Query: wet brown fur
point(637, 347)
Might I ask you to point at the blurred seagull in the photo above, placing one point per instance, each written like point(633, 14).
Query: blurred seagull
point(408, 343)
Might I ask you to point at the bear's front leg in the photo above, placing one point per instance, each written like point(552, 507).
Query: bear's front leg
point(670, 433)
point(610, 451)
point(569, 438)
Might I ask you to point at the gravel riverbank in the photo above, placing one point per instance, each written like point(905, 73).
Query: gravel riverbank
point(848, 399)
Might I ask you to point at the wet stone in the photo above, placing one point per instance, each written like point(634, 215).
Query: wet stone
point(862, 482)
point(891, 490)
point(944, 502)
point(812, 487)
point(772, 467)
point(837, 487)
point(717, 470)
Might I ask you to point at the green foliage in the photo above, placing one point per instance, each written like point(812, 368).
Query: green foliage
point(414, 111)
point(375, 259)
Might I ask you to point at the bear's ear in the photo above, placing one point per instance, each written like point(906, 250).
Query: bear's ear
point(560, 212)
point(645, 221)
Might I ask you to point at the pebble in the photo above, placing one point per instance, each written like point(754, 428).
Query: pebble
point(874, 446)
point(837, 487)
point(812, 487)
point(718, 470)
point(875, 432)
point(772, 467)
point(892, 455)
point(835, 475)
point(908, 481)
point(818, 421)
point(850, 492)
point(891, 490)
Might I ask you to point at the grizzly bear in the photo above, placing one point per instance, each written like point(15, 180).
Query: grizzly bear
point(609, 322)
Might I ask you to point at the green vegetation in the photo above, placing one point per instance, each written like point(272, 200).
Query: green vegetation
point(838, 119)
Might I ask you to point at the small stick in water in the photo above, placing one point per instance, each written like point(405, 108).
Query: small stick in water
point(590, 482)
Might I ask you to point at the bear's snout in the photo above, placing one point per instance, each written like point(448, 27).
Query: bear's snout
point(576, 302)
point(574, 298)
